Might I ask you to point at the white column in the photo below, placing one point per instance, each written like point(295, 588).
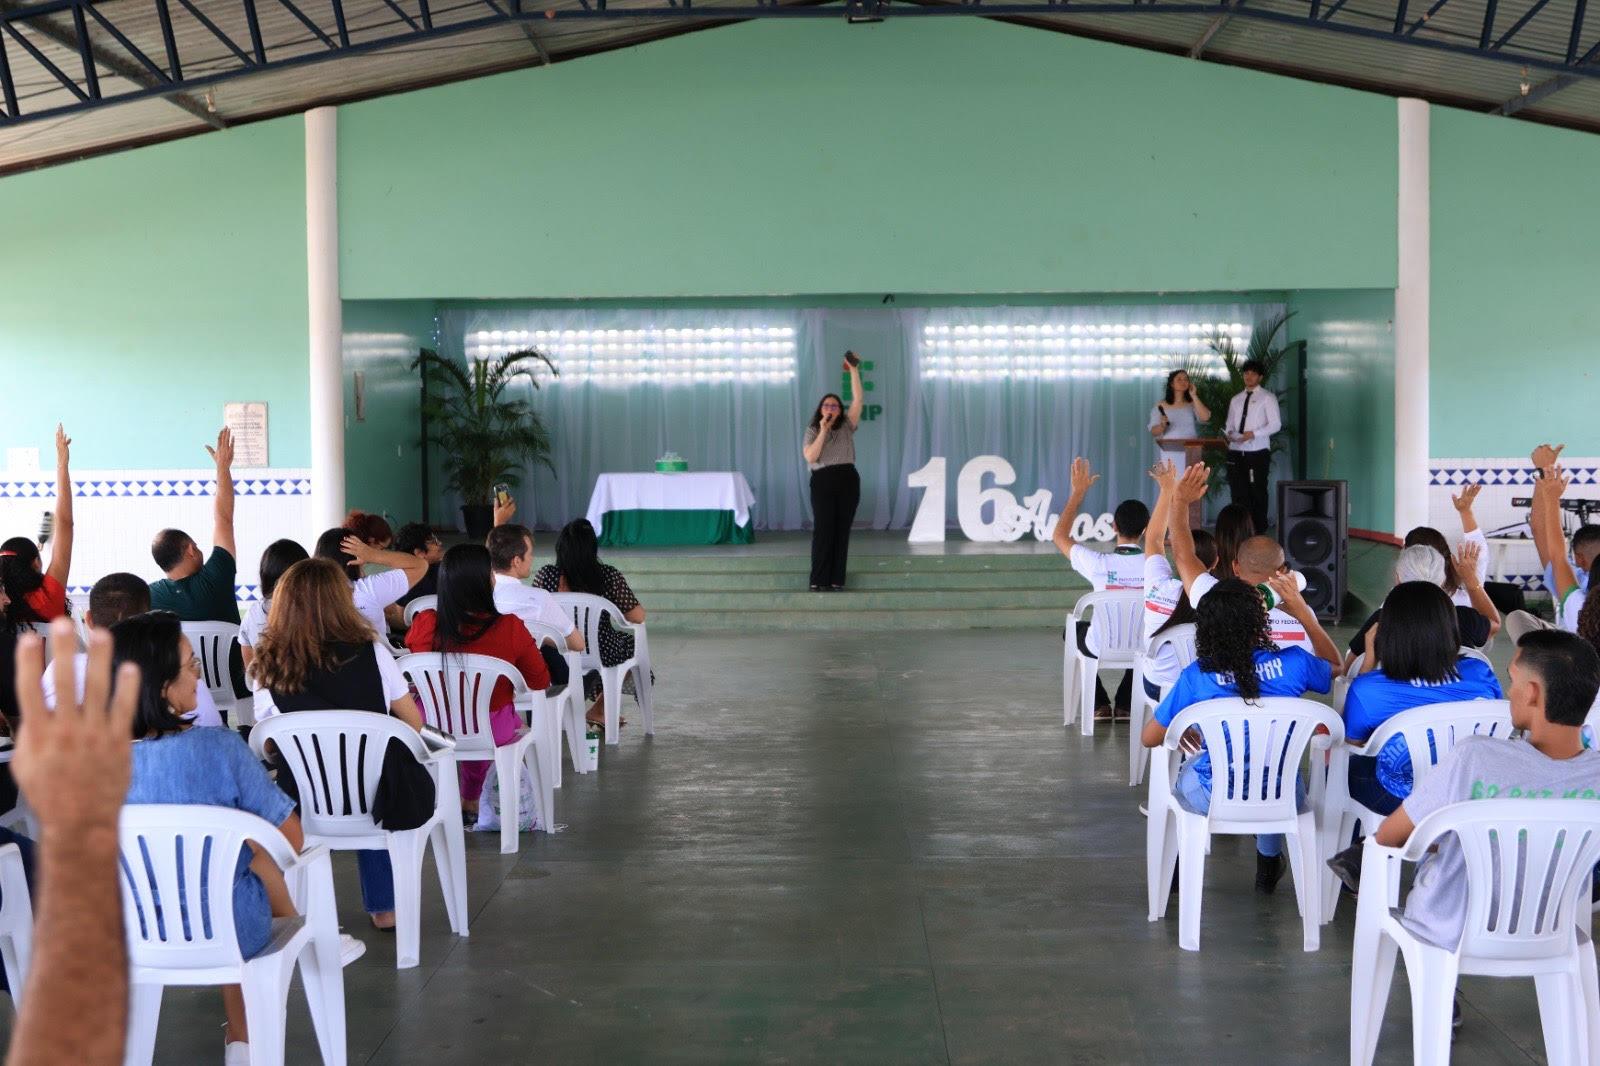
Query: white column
point(1411, 297)
point(326, 318)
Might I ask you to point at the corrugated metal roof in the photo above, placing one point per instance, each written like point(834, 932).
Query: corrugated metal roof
point(1249, 37)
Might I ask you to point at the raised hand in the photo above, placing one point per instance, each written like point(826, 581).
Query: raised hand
point(1467, 555)
point(1083, 478)
point(63, 448)
point(358, 549)
point(1287, 590)
point(1463, 502)
point(1195, 484)
point(505, 512)
point(223, 452)
point(1545, 456)
point(1165, 475)
point(74, 763)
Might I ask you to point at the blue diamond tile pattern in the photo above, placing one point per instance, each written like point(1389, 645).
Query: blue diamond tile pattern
point(137, 487)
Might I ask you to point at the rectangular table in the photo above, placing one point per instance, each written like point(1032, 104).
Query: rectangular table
point(668, 509)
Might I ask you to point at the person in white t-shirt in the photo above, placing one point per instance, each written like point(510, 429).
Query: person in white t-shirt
point(1258, 560)
point(1119, 570)
point(1568, 587)
point(372, 592)
point(113, 598)
point(1165, 603)
point(511, 556)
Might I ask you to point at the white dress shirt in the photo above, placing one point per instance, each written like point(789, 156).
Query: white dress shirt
point(1262, 420)
point(530, 604)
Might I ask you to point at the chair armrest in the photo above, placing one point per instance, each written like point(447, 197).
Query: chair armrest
point(1380, 879)
point(308, 875)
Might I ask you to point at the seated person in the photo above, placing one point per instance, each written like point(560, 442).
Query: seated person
point(1413, 658)
point(33, 593)
point(578, 569)
point(210, 767)
point(1165, 603)
point(1554, 679)
point(511, 554)
point(467, 622)
point(415, 538)
point(1236, 657)
point(373, 593)
point(200, 588)
point(1568, 587)
point(275, 562)
point(113, 598)
point(318, 653)
point(1120, 570)
point(1422, 562)
point(1258, 559)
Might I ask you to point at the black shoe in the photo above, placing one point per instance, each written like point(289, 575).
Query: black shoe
point(1269, 871)
point(816, 588)
point(1347, 866)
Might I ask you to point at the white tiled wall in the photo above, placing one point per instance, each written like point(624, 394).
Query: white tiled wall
point(1504, 479)
point(117, 512)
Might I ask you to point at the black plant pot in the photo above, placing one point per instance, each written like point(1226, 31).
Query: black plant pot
point(479, 518)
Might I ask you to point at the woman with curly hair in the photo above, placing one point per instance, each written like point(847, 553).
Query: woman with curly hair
point(1235, 656)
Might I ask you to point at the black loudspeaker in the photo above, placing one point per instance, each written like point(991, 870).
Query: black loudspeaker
point(1314, 529)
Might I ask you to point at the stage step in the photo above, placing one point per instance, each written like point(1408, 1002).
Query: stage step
point(762, 587)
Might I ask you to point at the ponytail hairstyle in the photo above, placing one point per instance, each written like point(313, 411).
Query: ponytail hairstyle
point(1230, 627)
point(1589, 613)
point(1234, 527)
point(20, 575)
point(1435, 540)
point(371, 528)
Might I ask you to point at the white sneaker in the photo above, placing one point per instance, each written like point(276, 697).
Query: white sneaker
point(236, 1053)
point(350, 949)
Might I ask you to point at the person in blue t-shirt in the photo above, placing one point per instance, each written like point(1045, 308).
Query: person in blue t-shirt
point(1235, 656)
point(1413, 658)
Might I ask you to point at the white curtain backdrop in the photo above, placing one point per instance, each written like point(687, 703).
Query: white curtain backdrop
point(732, 389)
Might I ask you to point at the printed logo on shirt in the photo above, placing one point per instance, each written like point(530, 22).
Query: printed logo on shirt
point(1266, 670)
point(1483, 790)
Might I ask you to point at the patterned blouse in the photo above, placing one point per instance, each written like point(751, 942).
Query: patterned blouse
point(614, 647)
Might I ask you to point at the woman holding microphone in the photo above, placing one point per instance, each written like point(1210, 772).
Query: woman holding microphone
point(830, 452)
point(1178, 417)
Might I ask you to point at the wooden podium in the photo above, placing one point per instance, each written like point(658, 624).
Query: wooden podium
point(1194, 449)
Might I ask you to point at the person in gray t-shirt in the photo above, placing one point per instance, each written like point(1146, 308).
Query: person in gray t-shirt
point(1554, 679)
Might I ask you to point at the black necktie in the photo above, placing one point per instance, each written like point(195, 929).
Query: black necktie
point(1244, 412)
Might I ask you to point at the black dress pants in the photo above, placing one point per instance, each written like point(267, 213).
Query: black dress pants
point(835, 495)
point(1247, 483)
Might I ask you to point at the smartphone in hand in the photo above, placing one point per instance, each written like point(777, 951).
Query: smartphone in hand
point(852, 359)
point(502, 494)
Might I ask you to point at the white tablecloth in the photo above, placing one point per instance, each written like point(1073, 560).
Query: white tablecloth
point(720, 491)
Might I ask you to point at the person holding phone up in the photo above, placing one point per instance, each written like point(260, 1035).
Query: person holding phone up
point(830, 452)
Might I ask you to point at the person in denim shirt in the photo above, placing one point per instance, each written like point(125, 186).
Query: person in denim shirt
point(175, 763)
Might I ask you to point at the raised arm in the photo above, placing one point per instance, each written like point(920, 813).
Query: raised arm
point(1083, 479)
point(858, 396)
point(61, 534)
point(1191, 488)
point(1155, 534)
point(1547, 500)
point(222, 530)
point(1544, 460)
point(1202, 413)
point(1463, 505)
point(1469, 568)
point(1294, 604)
point(415, 566)
point(75, 766)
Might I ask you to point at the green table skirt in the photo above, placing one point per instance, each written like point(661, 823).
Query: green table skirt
point(627, 529)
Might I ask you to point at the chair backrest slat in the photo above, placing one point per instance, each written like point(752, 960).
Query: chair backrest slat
point(456, 693)
point(213, 645)
point(1117, 621)
point(587, 610)
point(336, 758)
point(1431, 732)
point(1256, 750)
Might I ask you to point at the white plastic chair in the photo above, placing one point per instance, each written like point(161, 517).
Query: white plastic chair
point(213, 644)
point(587, 611)
point(180, 935)
point(454, 692)
point(1180, 639)
point(16, 921)
point(1116, 624)
point(1256, 752)
point(1431, 732)
point(1528, 868)
point(418, 605)
point(569, 701)
point(336, 758)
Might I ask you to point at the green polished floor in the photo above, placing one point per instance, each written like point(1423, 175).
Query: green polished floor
point(869, 847)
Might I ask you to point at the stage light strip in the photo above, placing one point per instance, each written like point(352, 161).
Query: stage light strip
point(667, 356)
point(1055, 351)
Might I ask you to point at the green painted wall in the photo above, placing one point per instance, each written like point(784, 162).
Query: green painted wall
point(1350, 395)
point(1515, 264)
point(381, 457)
point(925, 155)
point(146, 289)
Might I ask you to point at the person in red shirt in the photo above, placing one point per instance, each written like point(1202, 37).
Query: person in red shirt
point(37, 594)
point(466, 622)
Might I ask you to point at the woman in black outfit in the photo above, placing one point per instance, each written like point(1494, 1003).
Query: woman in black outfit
point(830, 451)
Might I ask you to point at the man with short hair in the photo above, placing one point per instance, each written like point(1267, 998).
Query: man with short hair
point(1119, 570)
point(1567, 580)
point(199, 588)
point(113, 598)
point(511, 555)
point(1252, 420)
point(416, 538)
point(1554, 679)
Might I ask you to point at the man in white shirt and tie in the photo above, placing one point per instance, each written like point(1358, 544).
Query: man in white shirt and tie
point(1252, 420)
point(511, 555)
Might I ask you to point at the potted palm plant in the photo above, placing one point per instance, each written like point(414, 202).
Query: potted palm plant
point(1217, 391)
point(487, 434)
